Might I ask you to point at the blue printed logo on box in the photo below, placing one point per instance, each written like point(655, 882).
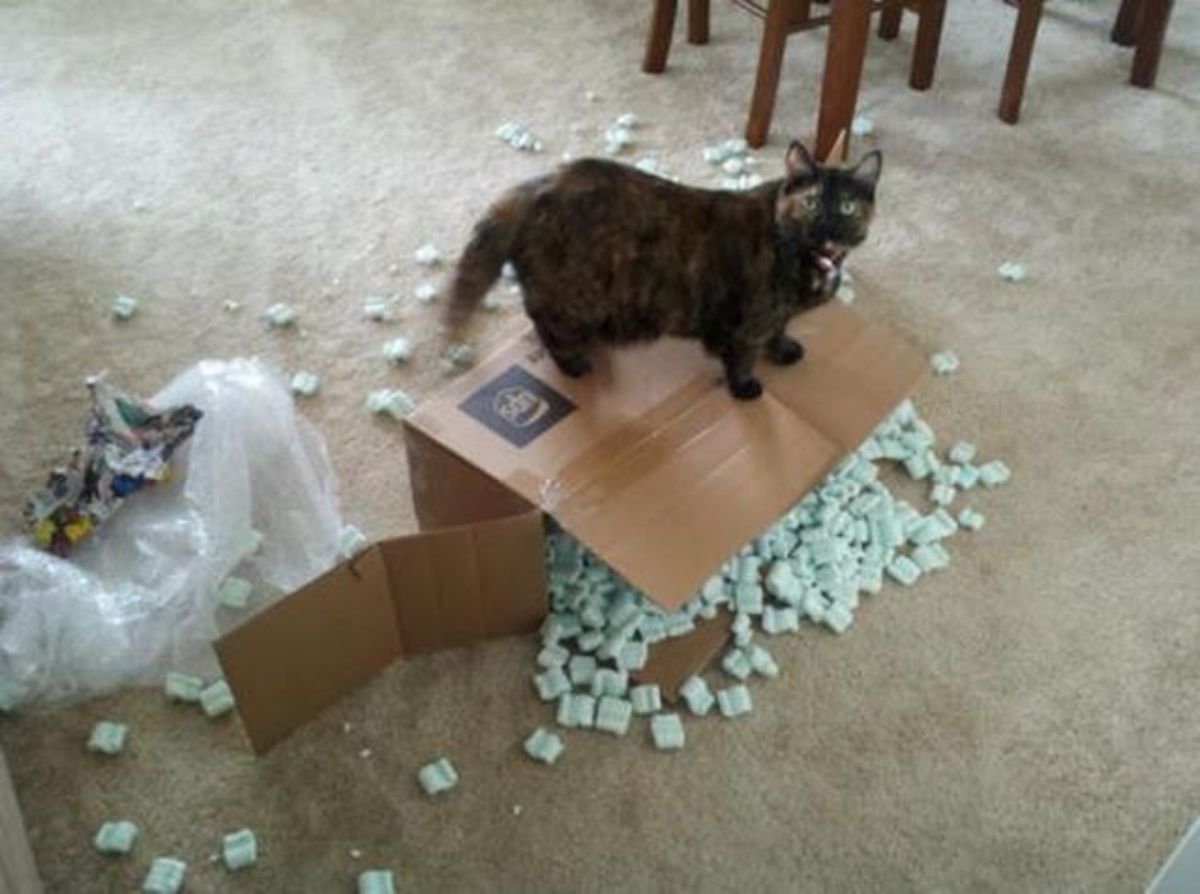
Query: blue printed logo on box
point(517, 406)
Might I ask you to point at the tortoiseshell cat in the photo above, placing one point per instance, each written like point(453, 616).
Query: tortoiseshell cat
point(608, 254)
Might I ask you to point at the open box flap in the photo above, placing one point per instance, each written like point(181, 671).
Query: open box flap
point(647, 459)
point(402, 596)
point(318, 643)
point(460, 585)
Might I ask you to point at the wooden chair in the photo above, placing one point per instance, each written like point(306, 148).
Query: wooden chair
point(1140, 23)
point(781, 19)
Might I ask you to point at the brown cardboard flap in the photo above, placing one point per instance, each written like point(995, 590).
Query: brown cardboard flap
point(672, 661)
point(853, 374)
point(401, 597)
point(649, 461)
point(460, 585)
point(312, 647)
point(672, 506)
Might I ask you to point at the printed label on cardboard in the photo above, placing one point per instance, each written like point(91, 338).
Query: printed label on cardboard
point(517, 406)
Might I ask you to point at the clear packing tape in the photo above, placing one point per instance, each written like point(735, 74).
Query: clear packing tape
point(139, 598)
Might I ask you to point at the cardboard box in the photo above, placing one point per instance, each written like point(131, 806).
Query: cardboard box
point(647, 460)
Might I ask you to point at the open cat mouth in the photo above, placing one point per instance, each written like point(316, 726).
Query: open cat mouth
point(829, 257)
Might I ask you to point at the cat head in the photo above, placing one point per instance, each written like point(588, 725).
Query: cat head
point(827, 207)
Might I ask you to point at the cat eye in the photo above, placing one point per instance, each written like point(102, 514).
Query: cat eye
point(848, 207)
point(809, 201)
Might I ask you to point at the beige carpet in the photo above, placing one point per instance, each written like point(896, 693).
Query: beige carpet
point(1027, 721)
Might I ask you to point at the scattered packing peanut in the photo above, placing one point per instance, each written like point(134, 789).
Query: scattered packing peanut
point(582, 670)
point(254, 542)
point(116, 837)
point(279, 315)
point(553, 655)
point(780, 620)
point(653, 166)
point(736, 664)
point(994, 473)
point(306, 384)
point(518, 136)
point(613, 715)
point(426, 292)
point(108, 737)
point(437, 777)
point(610, 683)
point(762, 662)
point(124, 307)
point(619, 135)
point(962, 453)
point(458, 357)
point(862, 126)
point(733, 166)
point(944, 363)
point(239, 849)
point(741, 182)
point(734, 701)
point(1011, 271)
point(646, 699)
point(551, 684)
point(216, 699)
point(393, 402)
point(165, 876)
point(633, 656)
point(544, 746)
point(722, 152)
point(904, 570)
point(942, 494)
point(376, 308)
point(235, 592)
point(698, 696)
point(397, 350)
point(667, 732)
point(183, 687)
point(376, 881)
point(576, 711)
point(970, 519)
point(351, 541)
point(427, 255)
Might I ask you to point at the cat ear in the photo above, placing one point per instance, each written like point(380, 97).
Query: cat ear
point(868, 170)
point(799, 163)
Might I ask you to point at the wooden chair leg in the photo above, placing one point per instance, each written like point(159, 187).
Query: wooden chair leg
point(697, 23)
point(658, 43)
point(845, 50)
point(1151, 34)
point(1029, 16)
point(1125, 29)
point(770, 64)
point(889, 20)
point(925, 48)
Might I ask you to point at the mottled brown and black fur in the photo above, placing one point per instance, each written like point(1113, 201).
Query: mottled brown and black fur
point(608, 254)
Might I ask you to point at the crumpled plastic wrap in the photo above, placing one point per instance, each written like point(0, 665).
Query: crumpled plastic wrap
point(139, 597)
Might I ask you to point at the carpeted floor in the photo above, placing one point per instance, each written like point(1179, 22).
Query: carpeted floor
point(1027, 721)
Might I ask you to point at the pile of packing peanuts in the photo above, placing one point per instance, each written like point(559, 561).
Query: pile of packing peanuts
point(843, 541)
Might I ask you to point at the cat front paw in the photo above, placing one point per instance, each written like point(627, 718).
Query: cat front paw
point(746, 389)
point(785, 351)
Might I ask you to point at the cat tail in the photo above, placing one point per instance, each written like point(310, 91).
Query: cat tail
point(484, 257)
